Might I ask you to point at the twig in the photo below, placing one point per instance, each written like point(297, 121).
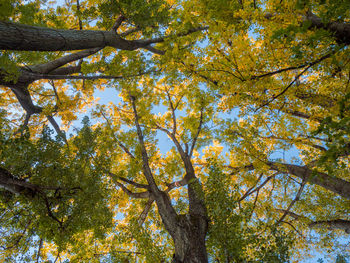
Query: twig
point(293, 202)
point(294, 80)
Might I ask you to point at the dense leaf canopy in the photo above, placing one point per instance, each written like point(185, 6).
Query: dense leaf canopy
point(224, 138)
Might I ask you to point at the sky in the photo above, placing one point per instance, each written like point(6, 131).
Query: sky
point(111, 95)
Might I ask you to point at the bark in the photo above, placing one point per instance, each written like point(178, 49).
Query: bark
point(14, 185)
point(331, 183)
point(187, 231)
point(333, 224)
point(15, 36)
point(190, 241)
point(340, 30)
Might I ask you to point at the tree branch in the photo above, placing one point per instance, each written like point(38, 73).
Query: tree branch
point(50, 66)
point(297, 197)
point(333, 224)
point(96, 77)
point(138, 185)
point(145, 159)
point(251, 191)
point(132, 194)
point(145, 211)
point(121, 145)
point(198, 131)
point(118, 23)
point(295, 79)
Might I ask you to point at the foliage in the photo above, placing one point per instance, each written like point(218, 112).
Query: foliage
point(228, 123)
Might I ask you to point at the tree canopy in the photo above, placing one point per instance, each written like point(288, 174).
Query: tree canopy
point(226, 140)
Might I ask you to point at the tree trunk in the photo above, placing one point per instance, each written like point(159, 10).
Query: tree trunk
point(190, 240)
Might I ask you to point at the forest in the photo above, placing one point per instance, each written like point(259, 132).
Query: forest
point(185, 131)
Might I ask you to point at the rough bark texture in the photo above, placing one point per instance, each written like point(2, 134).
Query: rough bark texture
point(190, 240)
point(15, 36)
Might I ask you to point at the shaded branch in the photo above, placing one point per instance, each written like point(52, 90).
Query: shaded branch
point(118, 23)
point(138, 185)
point(132, 194)
point(145, 211)
point(48, 67)
point(145, 159)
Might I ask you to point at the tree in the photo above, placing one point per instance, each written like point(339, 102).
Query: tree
point(111, 192)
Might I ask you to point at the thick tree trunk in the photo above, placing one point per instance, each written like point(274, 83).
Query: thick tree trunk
point(190, 240)
point(187, 231)
point(15, 36)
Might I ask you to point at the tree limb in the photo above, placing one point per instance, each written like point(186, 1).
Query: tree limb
point(198, 132)
point(145, 194)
